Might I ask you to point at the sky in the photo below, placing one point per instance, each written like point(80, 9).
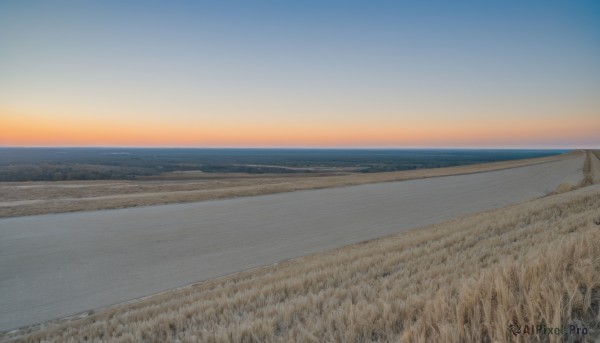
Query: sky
point(393, 74)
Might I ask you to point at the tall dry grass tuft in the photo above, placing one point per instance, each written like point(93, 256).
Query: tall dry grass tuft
point(463, 280)
point(588, 172)
point(557, 286)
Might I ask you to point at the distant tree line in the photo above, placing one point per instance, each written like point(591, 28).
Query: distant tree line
point(62, 164)
point(67, 172)
point(47, 172)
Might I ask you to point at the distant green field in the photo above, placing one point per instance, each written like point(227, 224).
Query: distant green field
point(58, 164)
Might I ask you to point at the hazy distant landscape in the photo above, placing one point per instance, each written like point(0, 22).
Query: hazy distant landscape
point(61, 164)
point(22, 198)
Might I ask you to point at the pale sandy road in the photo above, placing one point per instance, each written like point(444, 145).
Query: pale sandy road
point(56, 265)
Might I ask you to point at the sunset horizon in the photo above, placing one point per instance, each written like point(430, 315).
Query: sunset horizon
point(339, 75)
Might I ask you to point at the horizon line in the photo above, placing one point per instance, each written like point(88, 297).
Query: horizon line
point(303, 147)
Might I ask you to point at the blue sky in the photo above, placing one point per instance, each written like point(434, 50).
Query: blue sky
point(301, 73)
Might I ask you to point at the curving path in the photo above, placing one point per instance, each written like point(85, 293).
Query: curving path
point(57, 265)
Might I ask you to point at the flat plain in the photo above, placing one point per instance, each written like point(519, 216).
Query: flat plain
point(463, 279)
point(61, 264)
point(31, 198)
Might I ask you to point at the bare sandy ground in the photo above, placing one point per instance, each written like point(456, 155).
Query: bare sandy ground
point(57, 265)
point(29, 198)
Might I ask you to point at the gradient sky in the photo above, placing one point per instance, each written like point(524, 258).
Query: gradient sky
point(300, 73)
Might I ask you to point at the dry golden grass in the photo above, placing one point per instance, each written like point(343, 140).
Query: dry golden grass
point(463, 280)
point(592, 172)
point(588, 175)
point(30, 198)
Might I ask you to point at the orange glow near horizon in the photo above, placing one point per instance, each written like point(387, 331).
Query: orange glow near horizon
point(30, 130)
point(296, 75)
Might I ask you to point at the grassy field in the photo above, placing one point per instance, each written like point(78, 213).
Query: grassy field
point(463, 280)
point(30, 198)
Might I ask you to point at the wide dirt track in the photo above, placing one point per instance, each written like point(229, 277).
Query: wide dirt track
point(57, 265)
